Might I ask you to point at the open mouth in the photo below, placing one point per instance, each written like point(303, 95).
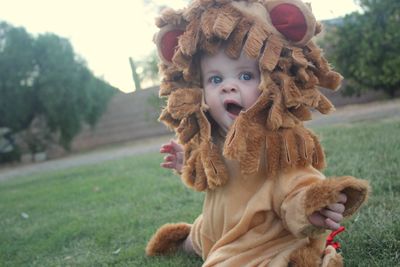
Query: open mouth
point(233, 107)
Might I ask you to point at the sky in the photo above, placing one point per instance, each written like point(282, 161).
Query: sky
point(107, 32)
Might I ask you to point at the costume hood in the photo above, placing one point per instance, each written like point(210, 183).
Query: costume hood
point(279, 34)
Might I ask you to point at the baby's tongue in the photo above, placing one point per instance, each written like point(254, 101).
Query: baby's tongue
point(234, 109)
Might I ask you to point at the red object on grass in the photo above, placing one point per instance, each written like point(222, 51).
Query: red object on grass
point(330, 239)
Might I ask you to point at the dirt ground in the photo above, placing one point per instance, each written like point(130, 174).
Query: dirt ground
point(346, 114)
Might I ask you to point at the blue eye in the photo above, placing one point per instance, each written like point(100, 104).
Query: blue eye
point(247, 76)
point(215, 79)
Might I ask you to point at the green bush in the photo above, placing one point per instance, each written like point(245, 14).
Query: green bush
point(365, 47)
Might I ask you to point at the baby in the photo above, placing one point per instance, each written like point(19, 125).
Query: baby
point(230, 86)
point(238, 85)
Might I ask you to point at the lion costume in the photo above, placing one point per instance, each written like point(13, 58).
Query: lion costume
point(263, 179)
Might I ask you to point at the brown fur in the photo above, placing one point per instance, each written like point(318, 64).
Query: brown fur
point(168, 120)
point(271, 53)
point(214, 166)
point(255, 41)
point(186, 102)
point(308, 256)
point(187, 129)
point(301, 112)
point(313, 255)
point(332, 258)
point(169, 16)
point(226, 22)
point(181, 60)
point(235, 41)
point(167, 239)
point(189, 39)
point(207, 22)
point(193, 172)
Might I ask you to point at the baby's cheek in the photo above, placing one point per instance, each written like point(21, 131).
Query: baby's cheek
point(207, 96)
point(253, 98)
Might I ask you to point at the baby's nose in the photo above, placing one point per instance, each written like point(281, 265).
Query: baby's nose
point(229, 86)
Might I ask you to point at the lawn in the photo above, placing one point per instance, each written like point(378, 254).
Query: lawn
point(102, 215)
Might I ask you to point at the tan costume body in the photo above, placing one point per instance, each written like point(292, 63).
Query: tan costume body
point(253, 221)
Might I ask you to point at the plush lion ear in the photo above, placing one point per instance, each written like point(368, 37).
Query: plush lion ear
point(167, 41)
point(293, 19)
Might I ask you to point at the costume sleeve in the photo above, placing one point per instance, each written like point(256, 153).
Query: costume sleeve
point(306, 191)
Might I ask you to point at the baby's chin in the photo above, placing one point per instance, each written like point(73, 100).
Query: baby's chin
point(227, 125)
point(226, 121)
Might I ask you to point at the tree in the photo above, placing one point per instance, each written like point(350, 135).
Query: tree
point(366, 47)
point(135, 75)
point(42, 79)
point(149, 68)
point(16, 77)
point(145, 71)
point(67, 91)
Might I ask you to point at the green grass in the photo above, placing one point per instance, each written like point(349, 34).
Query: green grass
point(102, 215)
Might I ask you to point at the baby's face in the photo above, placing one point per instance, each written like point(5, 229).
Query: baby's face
point(230, 86)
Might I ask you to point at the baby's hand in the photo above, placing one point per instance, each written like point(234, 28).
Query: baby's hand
point(330, 216)
point(174, 159)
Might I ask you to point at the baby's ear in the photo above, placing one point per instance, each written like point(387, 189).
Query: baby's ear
point(293, 19)
point(171, 26)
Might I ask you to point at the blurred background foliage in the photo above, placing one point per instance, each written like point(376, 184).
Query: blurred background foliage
point(365, 47)
point(46, 90)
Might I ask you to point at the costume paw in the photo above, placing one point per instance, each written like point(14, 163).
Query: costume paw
point(313, 256)
point(331, 258)
point(327, 192)
point(305, 257)
point(167, 239)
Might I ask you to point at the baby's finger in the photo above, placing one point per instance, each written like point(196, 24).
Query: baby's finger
point(166, 149)
point(336, 207)
point(168, 165)
point(342, 198)
point(331, 224)
point(317, 219)
point(170, 158)
point(337, 217)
